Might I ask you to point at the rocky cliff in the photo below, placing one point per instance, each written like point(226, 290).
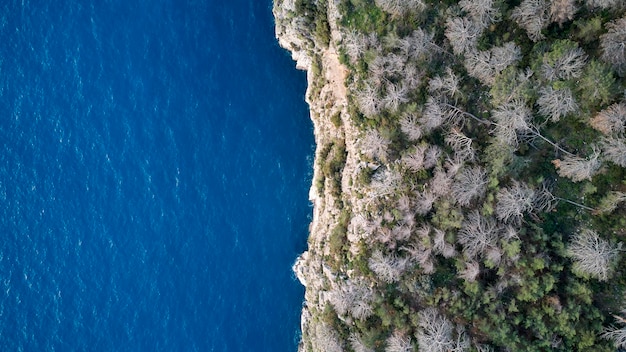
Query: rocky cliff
point(469, 181)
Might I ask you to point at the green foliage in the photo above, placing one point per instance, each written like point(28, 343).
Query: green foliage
point(588, 30)
point(511, 84)
point(364, 16)
point(596, 87)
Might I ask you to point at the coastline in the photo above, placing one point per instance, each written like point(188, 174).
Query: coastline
point(425, 203)
point(326, 96)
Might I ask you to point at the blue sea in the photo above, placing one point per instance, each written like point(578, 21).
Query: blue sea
point(155, 160)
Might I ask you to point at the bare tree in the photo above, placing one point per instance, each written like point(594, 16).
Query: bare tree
point(511, 119)
point(440, 246)
point(437, 334)
point(555, 103)
point(483, 348)
point(604, 4)
point(412, 78)
point(569, 65)
point(410, 127)
point(387, 268)
point(394, 96)
point(592, 255)
point(562, 11)
point(355, 45)
point(418, 45)
point(401, 232)
point(477, 235)
point(357, 344)
point(447, 85)
point(369, 100)
point(433, 115)
point(424, 202)
point(385, 182)
point(463, 34)
point(611, 120)
point(400, 7)
point(398, 342)
point(453, 166)
point(611, 201)
point(461, 144)
point(325, 338)
point(374, 145)
point(576, 168)
point(613, 44)
point(437, 113)
point(532, 15)
point(546, 201)
point(482, 12)
point(440, 183)
point(485, 65)
point(414, 159)
point(614, 150)
point(432, 155)
point(493, 255)
point(471, 271)
point(514, 201)
point(468, 185)
point(353, 297)
point(420, 251)
point(615, 334)
point(504, 56)
point(478, 65)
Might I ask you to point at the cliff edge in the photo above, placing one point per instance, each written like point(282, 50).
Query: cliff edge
point(469, 183)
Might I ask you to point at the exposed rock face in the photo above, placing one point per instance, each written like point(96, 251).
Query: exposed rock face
point(326, 95)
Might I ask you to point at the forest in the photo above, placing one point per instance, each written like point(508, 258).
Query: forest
point(482, 205)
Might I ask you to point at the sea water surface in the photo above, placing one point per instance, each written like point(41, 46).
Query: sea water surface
point(155, 159)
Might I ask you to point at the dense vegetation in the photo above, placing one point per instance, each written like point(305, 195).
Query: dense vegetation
point(493, 197)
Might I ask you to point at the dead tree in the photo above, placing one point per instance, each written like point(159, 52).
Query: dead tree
point(369, 100)
point(374, 145)
point(567, 66)
point(610, 121)
point(555, 103)
point(577, 168)
point(532, 15)
point(592, 255)
point(388, 268)
point(460, 144)
point(562, 11)
point(469, 184)
point(614, 150)
point(482, 12)
point(511, 119)
point(398, 8)
point(603, 4)
point(615, 334)
point(448, 85)
point(398, 342)
point(485, 65)
point(414, 159)
point(514, 201)
point(410, 127)
point(437, 334)
point(463, 34)
point(471, 271)
point(477, 235)
point(613, 44)
point(357, 344)
point(325, 338)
